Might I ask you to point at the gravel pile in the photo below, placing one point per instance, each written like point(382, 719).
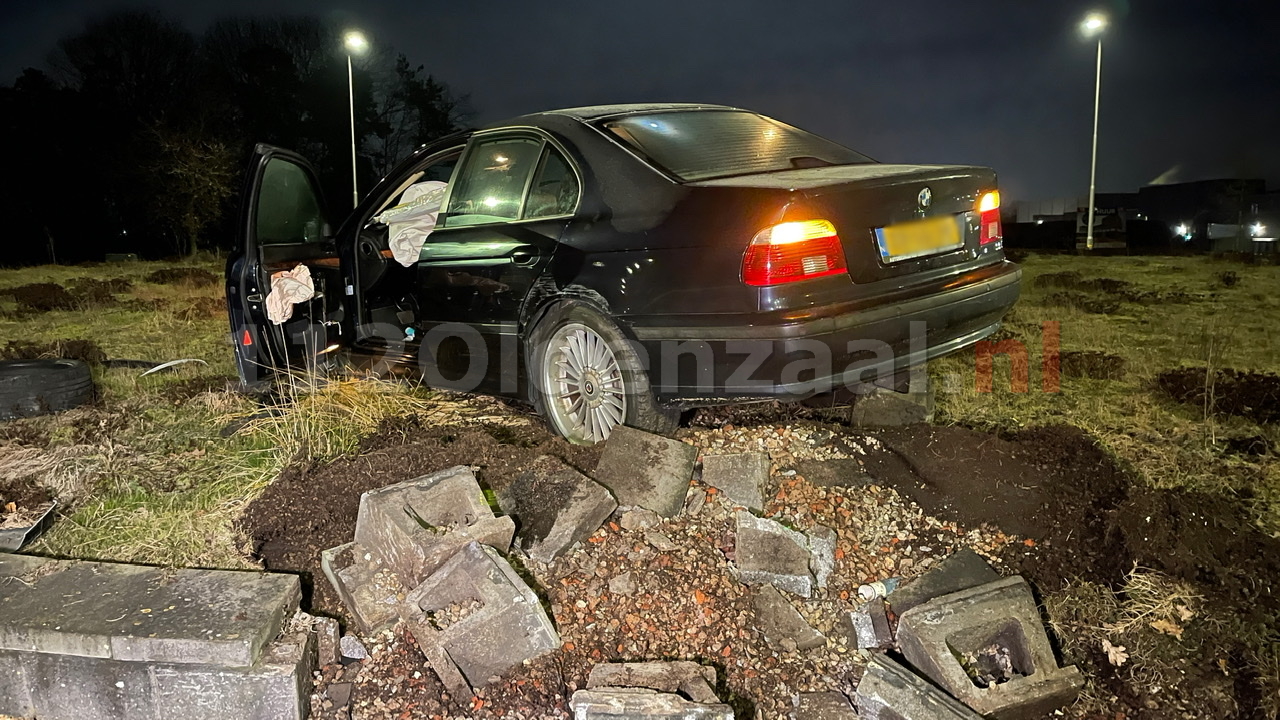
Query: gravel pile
point(668, 591)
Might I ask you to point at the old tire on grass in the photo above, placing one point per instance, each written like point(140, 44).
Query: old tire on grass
point(37, 387)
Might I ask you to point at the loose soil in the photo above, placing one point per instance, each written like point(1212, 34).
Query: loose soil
point(83, 350)
point(310, 507)
point(1251, 395)
point(21, 503)
point(1091, 364)
point(1082, 302)
point(42, 297)
point(1046, 503)
point(195, 277)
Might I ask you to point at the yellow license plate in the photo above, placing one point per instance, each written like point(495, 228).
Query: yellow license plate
point(919, 237)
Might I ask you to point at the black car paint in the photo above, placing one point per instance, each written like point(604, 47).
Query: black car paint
point(663, 259)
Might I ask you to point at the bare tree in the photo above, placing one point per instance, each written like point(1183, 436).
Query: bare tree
point(193, 176)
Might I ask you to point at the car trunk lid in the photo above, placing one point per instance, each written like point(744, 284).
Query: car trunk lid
point(861, 199)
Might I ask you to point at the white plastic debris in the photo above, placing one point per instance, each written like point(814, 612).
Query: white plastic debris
point(288, 288)
point(173, 363)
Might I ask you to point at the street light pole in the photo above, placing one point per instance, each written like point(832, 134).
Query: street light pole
point(1093, 167)
point(355, 42)
point(351, 95)
point(1094, 24)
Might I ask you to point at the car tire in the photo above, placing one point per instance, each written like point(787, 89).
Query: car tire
point(38, 387)
point(549, 377)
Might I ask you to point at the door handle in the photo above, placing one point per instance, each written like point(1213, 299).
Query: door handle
point(254, 298)
point(523, 256)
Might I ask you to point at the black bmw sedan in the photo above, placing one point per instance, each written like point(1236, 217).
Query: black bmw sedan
point(617, 264)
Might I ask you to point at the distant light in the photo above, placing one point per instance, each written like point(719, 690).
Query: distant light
point(1040, 221)
point(1094, 23)
point(491, 202)
point(1183, 230)
point(500, 158)
point(355, 41)
point(1257, 229)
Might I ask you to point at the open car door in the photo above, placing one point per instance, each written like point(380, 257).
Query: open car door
point(283, 236)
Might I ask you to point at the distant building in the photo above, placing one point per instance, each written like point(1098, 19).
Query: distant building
point(1225, 215)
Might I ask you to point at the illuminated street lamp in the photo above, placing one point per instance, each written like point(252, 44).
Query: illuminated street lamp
point(1094, 24)
point(356, 44)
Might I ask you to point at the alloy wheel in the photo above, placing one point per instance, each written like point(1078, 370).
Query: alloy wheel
point(586, 396)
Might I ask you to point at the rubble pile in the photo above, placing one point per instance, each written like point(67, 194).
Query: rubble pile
point(479, 595)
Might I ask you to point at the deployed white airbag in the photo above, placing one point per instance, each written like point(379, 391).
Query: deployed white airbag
point(288, 288)
point(410, 222)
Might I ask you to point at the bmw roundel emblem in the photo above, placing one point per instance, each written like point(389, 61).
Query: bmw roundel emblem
point(925, 198)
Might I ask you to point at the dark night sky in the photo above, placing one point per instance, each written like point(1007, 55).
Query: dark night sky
point(1192, 87)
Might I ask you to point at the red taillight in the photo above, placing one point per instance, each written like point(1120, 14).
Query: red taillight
point(989, 218)
point(793, 251)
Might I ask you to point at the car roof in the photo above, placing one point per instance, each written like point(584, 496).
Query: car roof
point(595, 112)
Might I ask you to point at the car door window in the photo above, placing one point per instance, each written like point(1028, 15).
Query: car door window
point(554, 190)
point(288, 206)
point(491, 185)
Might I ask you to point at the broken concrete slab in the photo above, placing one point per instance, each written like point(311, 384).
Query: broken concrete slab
point(555, 507)
point(142, 613)
point(767, 552)
point(837, 472)
point(622, 584)
point(740, 476)
point(369, 591)
point(69, 687)
point(429, 643)
point(642, 704)
point(889, 691)
point(883, 407)
point(91, 641)
point(488, 619)
point(867, 627)
point(960, 571)
point(413, 527)
point(822, 553)
point(692, 680)
point(328, 647)
point(1024, 680)
point(781, 623)
point(639, 519)
point(694, 501)
point(661, 541)
point(646, 470)
point(829, 705)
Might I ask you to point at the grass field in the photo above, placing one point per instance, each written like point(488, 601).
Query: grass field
point(147, 473)
point(1169, 313)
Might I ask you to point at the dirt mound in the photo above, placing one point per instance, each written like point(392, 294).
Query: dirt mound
point(1078, 290)
point(99, 292)
point(203, 308)
point(1091, 364)
point(1206, 540)
point(1251, 445)
point(1074, 280)
point(1053, 485)
point(195, 277)
point(1251, 395)
point(42, 297)
point(310, 508)
point(1082, 302)
point(83, 350)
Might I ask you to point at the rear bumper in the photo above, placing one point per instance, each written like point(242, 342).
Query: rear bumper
point(826, 348)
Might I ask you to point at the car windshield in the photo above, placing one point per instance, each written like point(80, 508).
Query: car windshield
point(705, 144)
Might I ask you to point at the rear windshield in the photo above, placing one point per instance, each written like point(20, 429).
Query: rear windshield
point(705, 144)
